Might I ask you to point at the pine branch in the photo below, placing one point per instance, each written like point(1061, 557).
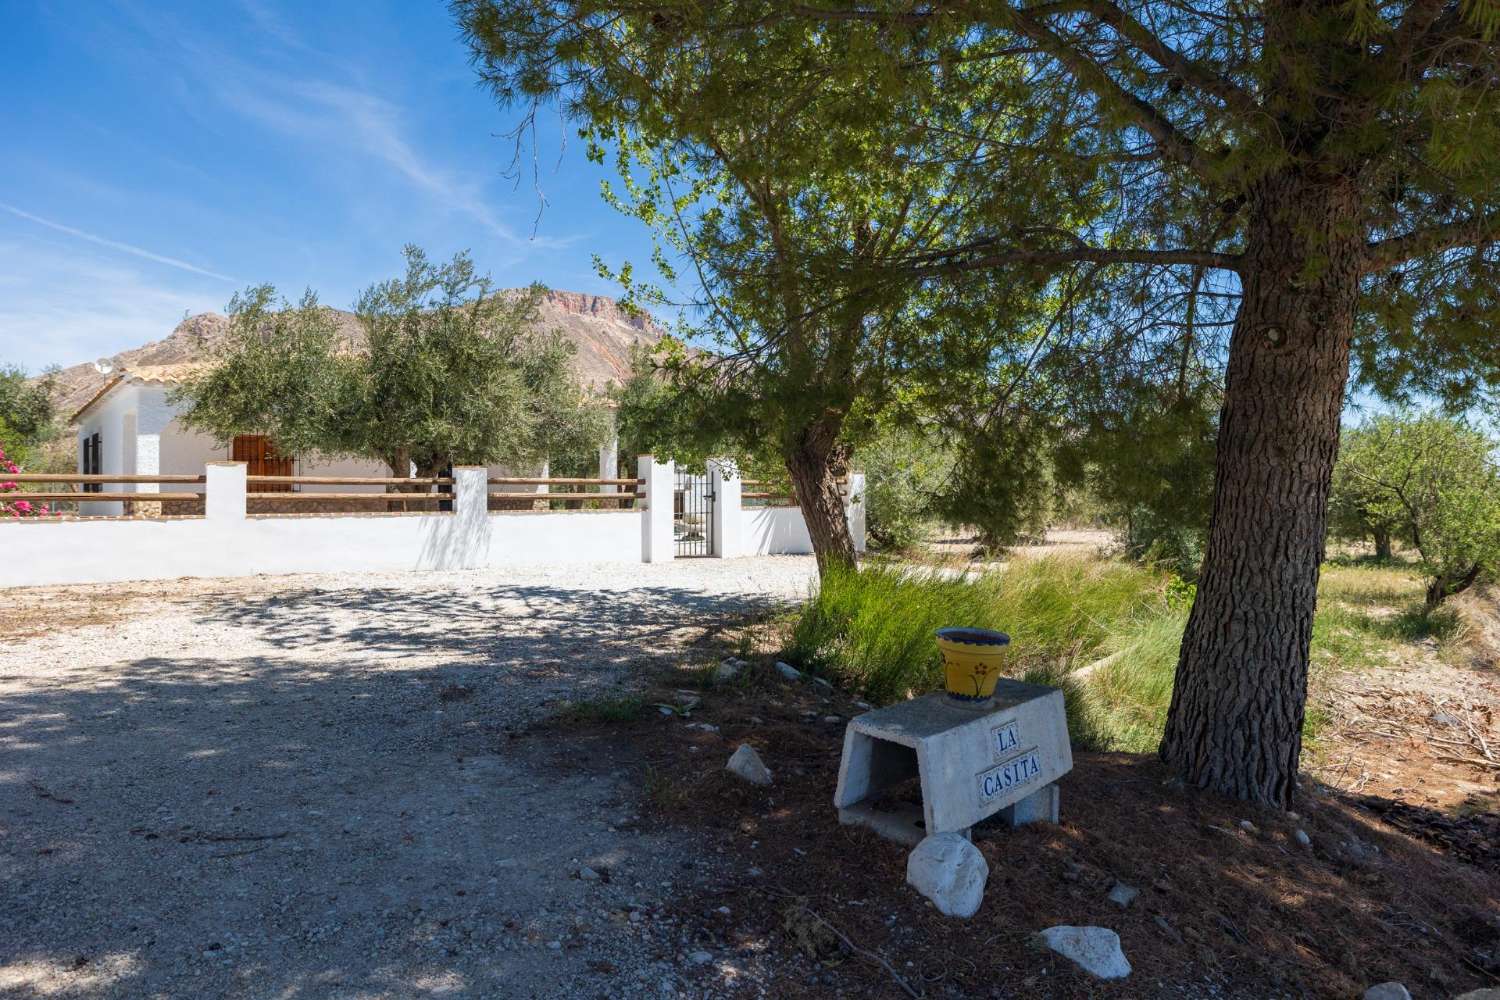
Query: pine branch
point(1169, 139)
point(986, 254)
point(1475, 231)
point(1148, 42)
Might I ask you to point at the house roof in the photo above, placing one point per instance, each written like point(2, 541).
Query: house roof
point(143, 375)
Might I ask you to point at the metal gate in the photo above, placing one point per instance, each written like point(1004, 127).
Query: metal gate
point(693, 515)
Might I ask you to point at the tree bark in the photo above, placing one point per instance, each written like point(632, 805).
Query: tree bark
point(1382, 543)
point(815, 462)
point(1235, 722)
point(1443, 587)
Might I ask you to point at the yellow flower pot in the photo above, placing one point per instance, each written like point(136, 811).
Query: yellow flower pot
point(972, 661)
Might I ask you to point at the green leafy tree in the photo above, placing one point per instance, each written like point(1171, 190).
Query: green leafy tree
point(449, 372)
point(1302, 192)
point(1435, 483)
point(786, 227)
point(26, 410)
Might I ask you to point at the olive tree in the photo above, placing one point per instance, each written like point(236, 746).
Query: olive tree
point(1433, 482)
point(442, 370)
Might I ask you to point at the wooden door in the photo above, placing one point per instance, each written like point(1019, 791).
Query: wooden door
point(255, 451)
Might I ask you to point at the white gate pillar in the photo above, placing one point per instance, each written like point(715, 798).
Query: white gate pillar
point(609, 461)
point(854, 509)
point(471, 516)
point(657, 543)
point(224, 491)
point(728, 527)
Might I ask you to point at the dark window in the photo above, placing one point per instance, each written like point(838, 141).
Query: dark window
point(93, 464)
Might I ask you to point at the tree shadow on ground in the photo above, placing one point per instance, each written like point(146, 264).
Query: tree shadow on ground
point(346, 811)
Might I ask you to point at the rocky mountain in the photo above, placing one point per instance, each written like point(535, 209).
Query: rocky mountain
point(603, 332)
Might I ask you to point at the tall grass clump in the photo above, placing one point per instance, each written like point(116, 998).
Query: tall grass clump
point(872, 629)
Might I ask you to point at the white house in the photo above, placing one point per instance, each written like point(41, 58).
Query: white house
point(130, 428)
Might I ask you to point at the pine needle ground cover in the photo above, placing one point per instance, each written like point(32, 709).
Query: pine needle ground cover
point(871, 631)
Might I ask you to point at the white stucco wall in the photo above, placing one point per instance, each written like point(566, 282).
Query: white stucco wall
point(49, 552)
point(774, 531)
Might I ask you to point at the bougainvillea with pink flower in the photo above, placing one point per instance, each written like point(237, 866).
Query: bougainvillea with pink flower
point(17, 508)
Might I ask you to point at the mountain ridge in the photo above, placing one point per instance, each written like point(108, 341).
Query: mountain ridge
point(603, 332)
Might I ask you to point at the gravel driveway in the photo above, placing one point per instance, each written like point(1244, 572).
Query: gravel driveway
point(321, 786)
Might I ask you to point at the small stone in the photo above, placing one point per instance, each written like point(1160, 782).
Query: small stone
point(1487, 993)
point(727, 670)
point(1248, 827)
point(1387, 991)
point(554, 945)
point(588, 874)
point(703, 727)
point(746, 763)
point(1445, 719)
point(822, 684)
point(832, 720)
point(1301, 837)
point(1095, 950)
point(864, 705)
point(1172, 933)
point(666, 709)
point(688, 701)
point(787, 671)
point(950, 871)
point(1123, 895)
point(704, 957)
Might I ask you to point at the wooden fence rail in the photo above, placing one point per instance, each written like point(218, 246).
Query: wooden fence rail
point(78, 477)
point(354, 480)
point(69, 496)
point(561, 481)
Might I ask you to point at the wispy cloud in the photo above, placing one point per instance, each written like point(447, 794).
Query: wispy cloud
point(65, 306)
point(134, 251)
point(321, 100)
point(319, 109)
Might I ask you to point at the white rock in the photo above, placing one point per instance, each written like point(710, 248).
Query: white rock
point(951, 872)
point(787, 671)
point(822, 684)
point(1301, 837)
point(1123, 895)
point(707, 727)
point(1248, 826)
point(588, 874)
point(746, 763)
point(1387, 991)
point(1487, 993)
point(728, 670)
point(701, 957)
point(1095, 950)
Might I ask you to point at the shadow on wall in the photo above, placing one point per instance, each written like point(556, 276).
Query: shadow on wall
point(333, 811)
point(776, 529)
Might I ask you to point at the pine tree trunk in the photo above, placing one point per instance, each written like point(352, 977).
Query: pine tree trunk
point(1235, 723)
point(815, 464)
point(1382, 543)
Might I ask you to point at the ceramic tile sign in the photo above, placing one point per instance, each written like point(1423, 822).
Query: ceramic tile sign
point(971, 762)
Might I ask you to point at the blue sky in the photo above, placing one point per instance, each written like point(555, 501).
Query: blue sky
point(160, 156)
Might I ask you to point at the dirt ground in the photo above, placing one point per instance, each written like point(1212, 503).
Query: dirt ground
point(1226, 909)
point(320, 787)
